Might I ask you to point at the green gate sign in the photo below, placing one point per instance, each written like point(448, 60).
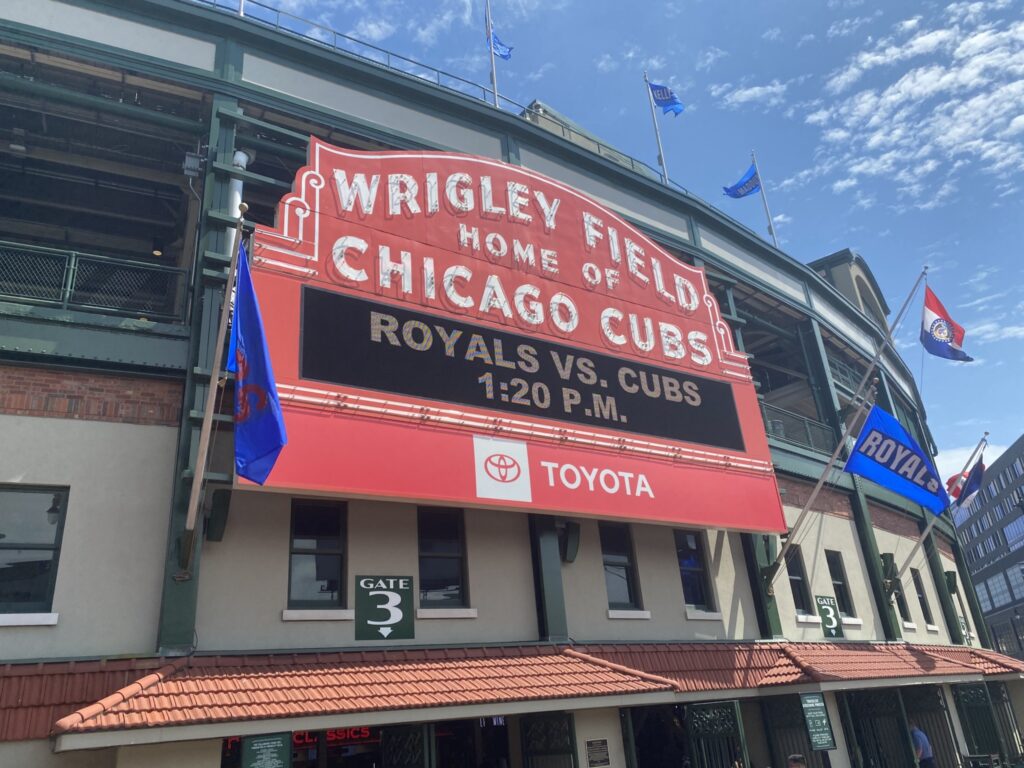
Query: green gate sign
point(831, 621)
point(819, 727)
point(273, 750)
point(384, 608)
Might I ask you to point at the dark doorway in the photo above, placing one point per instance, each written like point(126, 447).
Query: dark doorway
point(689, 736)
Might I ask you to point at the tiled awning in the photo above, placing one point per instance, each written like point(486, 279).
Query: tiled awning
point(61, 699)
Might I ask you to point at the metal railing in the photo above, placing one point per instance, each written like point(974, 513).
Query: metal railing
point(322, 35)
point(73, 280)
point(845, 374)
point(797, 429)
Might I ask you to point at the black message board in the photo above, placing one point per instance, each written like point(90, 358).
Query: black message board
point(370, 345)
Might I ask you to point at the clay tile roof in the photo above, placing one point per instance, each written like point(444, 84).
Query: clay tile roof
point(696, 667)
point(826, 662)
point(989, 662)
point(220, 690)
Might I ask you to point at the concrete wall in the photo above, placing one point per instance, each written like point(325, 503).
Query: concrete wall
point(107, 595)
point(244, 578)
point(194, 754)
point(661, 590)
point(821, 531)
point(37, 754)
point(599, 724)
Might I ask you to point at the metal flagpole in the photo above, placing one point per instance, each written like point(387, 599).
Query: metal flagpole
point(490, 49)
point(773, 570)
point(979, 448)
point(764, 199)
point(211, 393)
point(657, 130)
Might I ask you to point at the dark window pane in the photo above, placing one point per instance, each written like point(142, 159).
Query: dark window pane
point(620, 593)
point(316, 579)
point(693, 590)
point(839, 586)
point(30, 517)
point(615, 541)
point(441, 581)
point(693, 569)
point(922, 598)
point(25, 577)
point(316, 526)
point(798, 580)
point(440, 531)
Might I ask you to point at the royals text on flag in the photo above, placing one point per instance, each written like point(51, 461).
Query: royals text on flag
point(886, 454)
point(747, 185)
point(259, 425)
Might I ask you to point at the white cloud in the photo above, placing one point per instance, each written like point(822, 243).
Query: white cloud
point(606, 62)
point(846, 27)
point(843, 184)
point(782, 218)
point(427, 33)
point(770, 95)
point(983, 300)
point(805, 39)
point(538, 73)
point(373, 30)
point(908, 25)
point(952, 460)
point(884, 52)
point(774, 33)
point(985, 333)
point(707, 58)
point(654, 63)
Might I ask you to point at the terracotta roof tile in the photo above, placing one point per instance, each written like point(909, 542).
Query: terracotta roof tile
point(826, 662)
point(990, 662)
point(205, 691)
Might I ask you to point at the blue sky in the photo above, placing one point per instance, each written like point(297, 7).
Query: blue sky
point(893, 128)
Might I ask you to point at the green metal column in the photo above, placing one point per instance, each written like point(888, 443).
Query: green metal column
point(759, 552)
point(873, 561)
point(176, 633)
point(949, 614)
point(967, 589)
point(552, 622)
point(819, 376)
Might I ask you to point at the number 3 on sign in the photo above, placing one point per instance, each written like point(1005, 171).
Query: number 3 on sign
point(390, 605)
point(828, 610)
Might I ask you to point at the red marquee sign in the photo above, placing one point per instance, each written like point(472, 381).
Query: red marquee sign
point(456, 330)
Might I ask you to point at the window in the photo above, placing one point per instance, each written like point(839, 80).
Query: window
point(316, 577)
point(999, 590)
point(32, 523)
point(798, 580)
point(839, 586)
point(1016, 576)
point(693, 570)
point(999, 511)
point(1018, 467)
point(922, 598)
point(992, 490)
point(442, 558)
point(982, 591)
point(619, 566)
point(901, 603)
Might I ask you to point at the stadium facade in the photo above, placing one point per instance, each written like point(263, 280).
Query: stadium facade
point(438, 572)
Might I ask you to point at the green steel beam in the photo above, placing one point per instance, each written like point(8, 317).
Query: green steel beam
point(873, 562)
point(552, 621)
point(949, 614)
point(759, 552)
point(967, 589)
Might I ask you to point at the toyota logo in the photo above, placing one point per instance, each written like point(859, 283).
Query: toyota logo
point(502, 468)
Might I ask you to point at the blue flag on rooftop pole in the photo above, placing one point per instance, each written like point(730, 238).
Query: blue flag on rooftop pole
point(748, 185)
point(886, 454)
point(501, 50)
point(259, 425)
point(666, 99)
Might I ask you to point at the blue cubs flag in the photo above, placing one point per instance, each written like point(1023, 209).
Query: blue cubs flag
point(501, 50)
point(259, 425)
point(886, 454)
point(748, 185)
point(940, 335)
point(664, 98)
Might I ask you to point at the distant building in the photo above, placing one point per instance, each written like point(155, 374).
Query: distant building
point(991, 529)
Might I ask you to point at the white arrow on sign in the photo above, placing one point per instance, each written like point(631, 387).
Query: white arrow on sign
point(385, 631)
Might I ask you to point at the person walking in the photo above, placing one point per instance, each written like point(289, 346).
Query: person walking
point(922, 747)
point(796, 761)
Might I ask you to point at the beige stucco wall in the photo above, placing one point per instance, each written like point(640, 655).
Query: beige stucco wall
point(819, 532)
point(599, 724)
point(661, 590)
point(963, 608)
point(110, 570)
point(177, 754)
point(916, 631)
point(244, 578)
point(37, 754)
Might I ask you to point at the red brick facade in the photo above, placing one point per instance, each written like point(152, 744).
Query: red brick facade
point(796, 493)
point(894, 522)
point(87, 395)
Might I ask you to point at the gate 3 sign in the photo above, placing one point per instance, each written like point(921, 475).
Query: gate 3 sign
point(384, 608)
point(453, 329)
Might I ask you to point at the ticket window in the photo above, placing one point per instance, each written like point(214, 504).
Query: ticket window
point(356, 747)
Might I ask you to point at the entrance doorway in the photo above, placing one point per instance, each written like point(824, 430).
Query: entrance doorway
point(695, 735)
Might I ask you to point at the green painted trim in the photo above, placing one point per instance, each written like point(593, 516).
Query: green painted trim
point(967, 590)
point(552, 619)
point(758, 554)
point(510, 150)
point(873, 562)
point(227, 169)
point(826, 399)
point(949, 614)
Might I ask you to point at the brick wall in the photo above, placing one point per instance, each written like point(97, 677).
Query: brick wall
point(70, 394)
point(795, 494)
point(894, 522)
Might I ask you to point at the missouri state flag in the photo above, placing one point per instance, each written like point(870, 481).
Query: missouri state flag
point(940, 335)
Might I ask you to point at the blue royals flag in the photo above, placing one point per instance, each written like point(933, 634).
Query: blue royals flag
point(748, 185)
point(668, 101)
point(259, 425)
point(501, 50)
point(886, 454)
